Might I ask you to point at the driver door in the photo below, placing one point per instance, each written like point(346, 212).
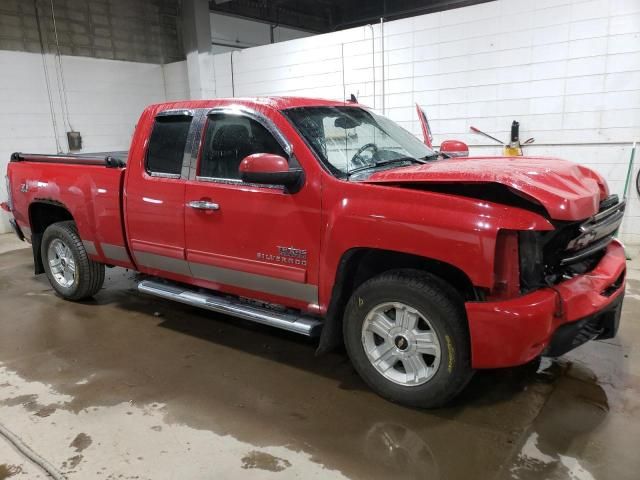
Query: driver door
point(251, 240)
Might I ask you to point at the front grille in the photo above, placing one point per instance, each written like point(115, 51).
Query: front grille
point(573, 248)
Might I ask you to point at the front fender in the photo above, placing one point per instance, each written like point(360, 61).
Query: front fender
point(455, 230)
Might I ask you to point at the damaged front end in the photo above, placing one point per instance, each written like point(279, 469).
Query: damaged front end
point(570, 289)
point(573, 248)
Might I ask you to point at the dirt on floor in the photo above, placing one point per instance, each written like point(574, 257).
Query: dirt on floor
point(130, 386)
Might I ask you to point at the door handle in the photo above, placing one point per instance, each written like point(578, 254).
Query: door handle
point(203, 205)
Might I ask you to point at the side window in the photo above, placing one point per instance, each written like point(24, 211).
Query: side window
point(166, 144)
point(230, 138)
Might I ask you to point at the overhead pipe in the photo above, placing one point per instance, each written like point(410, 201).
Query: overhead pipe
point(382, 48)
point(344, 86)
point(47, 80)
point(62, 88)
point(233, 86)
point(373, 63)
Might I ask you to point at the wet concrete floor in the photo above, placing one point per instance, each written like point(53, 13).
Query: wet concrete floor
point(128, 386)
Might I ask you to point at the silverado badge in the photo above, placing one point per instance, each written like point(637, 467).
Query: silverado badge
point(288, 255)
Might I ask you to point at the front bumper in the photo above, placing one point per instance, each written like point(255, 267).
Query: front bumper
point(550, 320)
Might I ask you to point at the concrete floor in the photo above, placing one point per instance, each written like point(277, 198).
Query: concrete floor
point(127, 386)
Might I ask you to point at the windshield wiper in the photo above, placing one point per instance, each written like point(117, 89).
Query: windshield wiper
point(380, 163)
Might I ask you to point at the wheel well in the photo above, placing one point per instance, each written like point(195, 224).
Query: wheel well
point(41, 215)
point(360, 264)
point(364, 264)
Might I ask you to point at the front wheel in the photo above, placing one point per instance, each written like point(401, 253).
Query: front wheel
point(70, 271)
point(407, 336)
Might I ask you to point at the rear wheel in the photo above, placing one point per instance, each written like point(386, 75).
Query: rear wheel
point(406, 334)
point(68, 267)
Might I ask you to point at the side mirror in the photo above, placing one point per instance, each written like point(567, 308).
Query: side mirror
point(454, 148)
point(271, 169)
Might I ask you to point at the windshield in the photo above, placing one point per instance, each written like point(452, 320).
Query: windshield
point(347, 139)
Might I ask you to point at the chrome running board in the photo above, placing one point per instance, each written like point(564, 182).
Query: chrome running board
point(297, 323)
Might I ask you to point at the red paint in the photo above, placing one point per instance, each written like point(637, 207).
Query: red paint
point(252, 221)
point(264, 163)
point(90, 193)
point(455, 148)
point(567, 191)
point(512, 332)
point(328, 217)
point(153, 206)
point(424, 125)
point(506, 266)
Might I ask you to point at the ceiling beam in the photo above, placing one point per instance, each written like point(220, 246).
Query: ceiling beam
point(276, 13)
point(321, 16)
point(390, 11)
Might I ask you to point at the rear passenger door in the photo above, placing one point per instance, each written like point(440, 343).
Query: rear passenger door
point(257, 241)
point(155, 197)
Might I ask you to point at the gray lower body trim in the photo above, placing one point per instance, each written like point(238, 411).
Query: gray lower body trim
point(260, 283)
point(115, 252)
point(90, 247)
point(235, 278)
point(160, 262)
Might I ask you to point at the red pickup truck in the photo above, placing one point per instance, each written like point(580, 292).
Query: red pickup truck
point(324, 218)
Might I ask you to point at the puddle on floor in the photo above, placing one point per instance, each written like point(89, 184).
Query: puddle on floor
point(119, 438)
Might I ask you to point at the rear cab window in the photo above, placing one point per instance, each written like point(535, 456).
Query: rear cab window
point(167, 145)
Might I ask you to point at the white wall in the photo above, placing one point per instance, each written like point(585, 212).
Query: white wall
point(176, 81)
point(104, 98)
point(243, 33)
point(568, 70)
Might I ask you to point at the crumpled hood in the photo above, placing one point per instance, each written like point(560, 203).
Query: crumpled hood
point(566, 190)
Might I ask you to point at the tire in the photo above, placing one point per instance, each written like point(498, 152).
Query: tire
point(63, 252)
point(413, 370)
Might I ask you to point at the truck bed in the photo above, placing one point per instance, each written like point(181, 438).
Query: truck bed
point(108, 159)
point(89, 185)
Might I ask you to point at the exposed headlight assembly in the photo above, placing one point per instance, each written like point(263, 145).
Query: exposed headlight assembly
point(530, 246)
